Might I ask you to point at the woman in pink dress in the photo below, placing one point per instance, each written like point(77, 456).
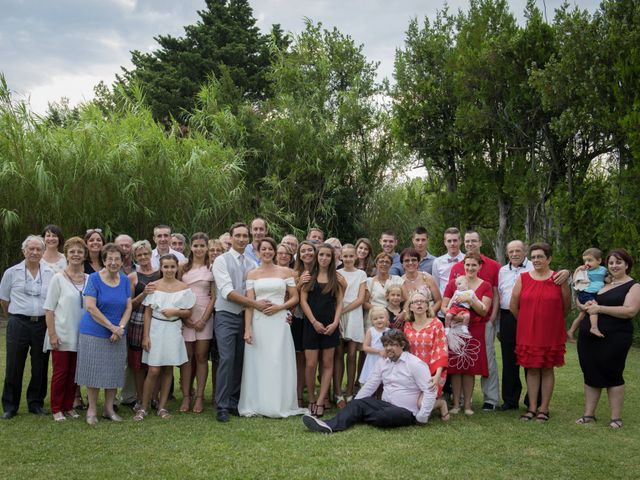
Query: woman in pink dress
point(197, 330)
point(473, 357)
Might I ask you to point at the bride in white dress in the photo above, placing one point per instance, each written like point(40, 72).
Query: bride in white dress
point(269, 373)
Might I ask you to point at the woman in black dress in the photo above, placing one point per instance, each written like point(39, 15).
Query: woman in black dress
point(602, 359)
point(321, 303)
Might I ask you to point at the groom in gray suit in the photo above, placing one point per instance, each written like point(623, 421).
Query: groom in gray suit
point(230, 274)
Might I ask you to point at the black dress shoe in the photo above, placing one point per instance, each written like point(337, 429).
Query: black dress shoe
point(8, 415)
point(222, 416)
point(234, 412)
point(508, 406)
point(488, 407)
point(38, 411)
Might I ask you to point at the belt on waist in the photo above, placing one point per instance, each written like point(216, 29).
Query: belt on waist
point(166, 319)
point(30, 318)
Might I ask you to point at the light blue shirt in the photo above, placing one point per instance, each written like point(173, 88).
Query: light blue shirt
point(250, 252)
point(25, 294)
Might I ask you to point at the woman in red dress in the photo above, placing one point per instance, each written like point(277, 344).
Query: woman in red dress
point(428, 342)
point(473, 357)
point(540, 307)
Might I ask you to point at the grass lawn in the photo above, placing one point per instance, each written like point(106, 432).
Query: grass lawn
point(488, 445)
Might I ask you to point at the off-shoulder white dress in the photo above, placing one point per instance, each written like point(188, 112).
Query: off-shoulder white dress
point(165, 333)
point(269, 373)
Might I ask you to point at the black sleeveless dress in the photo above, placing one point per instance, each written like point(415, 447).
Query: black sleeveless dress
point(602, 359)
point(323, 307)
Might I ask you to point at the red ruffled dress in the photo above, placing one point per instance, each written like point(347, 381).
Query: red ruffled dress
point(541, 335)
point(429, 344)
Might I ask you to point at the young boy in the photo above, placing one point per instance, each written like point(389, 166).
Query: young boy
point(587, 286)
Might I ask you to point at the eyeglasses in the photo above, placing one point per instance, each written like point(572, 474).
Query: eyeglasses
point(384, 262)
point(94, 230)
point(410, 260)
point(418, 302)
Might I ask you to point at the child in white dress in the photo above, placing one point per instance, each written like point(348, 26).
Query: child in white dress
point(351, 324)
point(162, 339)
point(379, 318)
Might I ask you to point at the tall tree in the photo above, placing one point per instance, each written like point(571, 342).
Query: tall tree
point(224, 42)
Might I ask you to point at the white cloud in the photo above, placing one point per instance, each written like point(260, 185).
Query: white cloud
point(63, 48)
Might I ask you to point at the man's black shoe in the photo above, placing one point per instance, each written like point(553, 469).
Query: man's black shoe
point(222, 416)
point(8, 415)
point(234, 412)
point(488, 407)
point(508, 406)
point(38, 411)
point(315, 424)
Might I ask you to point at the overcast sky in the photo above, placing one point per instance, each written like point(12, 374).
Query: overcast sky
point(61, 48)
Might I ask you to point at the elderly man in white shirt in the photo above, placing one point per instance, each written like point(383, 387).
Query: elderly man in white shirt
point(23, 291)
point(407, 399)
point(509, 273)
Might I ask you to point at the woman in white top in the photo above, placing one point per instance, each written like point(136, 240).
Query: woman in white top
point(162, 339)
point(377, 286)
point(53, 240)
point(64, 307)
point(269, 373)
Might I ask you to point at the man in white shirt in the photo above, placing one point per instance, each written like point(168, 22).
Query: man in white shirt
point(230, 273)
point(23, 291)
point(258, 232)
point(407, 384)
point(441, 268)
point(509, 273)
point(162, 239)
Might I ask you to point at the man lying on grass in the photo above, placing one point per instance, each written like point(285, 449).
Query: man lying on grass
point(407, 399)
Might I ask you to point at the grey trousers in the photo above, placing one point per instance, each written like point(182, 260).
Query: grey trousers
point(229, 328)
point(491, 384)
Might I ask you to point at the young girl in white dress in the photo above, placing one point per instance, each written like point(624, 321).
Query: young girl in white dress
point(379, 318)
point(351, 324)
point(162, 340)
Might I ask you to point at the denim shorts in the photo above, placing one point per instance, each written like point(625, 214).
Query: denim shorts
point(584, 297)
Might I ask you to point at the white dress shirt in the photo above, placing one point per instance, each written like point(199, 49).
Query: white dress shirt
point(221, 276)
point(403, 380)
point(507, 279)
point(441, 269)
point(155, 257)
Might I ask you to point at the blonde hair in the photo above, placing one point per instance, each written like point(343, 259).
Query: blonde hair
point(376, 309)
point(410, 316)
point(390, 289)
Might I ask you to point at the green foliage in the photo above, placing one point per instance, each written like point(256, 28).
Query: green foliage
point(122, 173)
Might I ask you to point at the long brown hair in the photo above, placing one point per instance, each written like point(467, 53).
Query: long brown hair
point(333, 284)
point(189, 265)
point(299, 266)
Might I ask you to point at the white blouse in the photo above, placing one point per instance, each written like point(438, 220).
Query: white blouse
point(65, 300)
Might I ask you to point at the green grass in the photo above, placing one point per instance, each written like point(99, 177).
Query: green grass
point(488, 445)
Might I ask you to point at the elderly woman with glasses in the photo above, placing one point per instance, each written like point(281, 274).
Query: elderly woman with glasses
point(377, 285)
point(427, 341)
point(102, 348)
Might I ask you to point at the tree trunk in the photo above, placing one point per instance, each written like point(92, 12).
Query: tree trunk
point(504, 205)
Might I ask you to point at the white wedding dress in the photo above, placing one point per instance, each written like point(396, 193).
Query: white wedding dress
point(269, 372)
